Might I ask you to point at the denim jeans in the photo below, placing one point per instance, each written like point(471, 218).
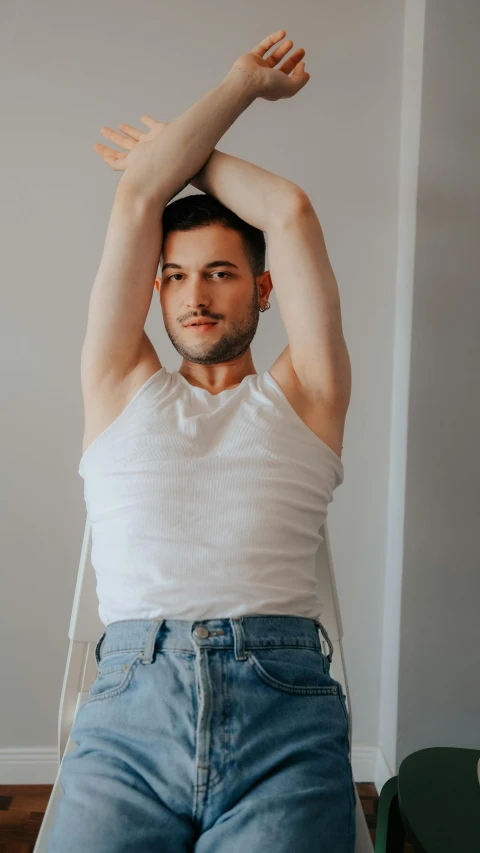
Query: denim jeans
point(222, 735)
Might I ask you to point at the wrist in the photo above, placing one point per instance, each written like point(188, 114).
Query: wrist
point(243, 83)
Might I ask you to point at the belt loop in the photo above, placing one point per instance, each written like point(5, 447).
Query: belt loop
point(238, 637)
point(97, 648)
point(149, 649)
point(324, 632)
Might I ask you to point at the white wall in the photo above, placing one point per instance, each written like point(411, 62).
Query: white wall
point(439, 692)
point(386, 760)
point(67, 69)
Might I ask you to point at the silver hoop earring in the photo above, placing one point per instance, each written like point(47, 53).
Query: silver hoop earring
point(267, 306)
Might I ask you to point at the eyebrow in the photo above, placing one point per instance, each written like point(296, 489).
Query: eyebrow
point(206, 266)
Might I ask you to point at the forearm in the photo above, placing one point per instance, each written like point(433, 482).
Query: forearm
point(180, 151)
point(253, 193)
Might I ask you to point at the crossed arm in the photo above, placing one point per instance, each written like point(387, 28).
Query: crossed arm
point(160, 164)
point(300, 269)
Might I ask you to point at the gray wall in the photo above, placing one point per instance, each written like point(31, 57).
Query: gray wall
point(439, 688)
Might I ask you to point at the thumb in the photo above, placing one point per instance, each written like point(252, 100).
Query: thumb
point(300, 76)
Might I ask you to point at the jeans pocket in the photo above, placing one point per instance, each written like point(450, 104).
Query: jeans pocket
point(114, 673)
point(297, 670)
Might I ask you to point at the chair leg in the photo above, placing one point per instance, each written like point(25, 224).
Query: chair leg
point(390, 832)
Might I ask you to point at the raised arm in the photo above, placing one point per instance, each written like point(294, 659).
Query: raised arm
point(157, 169)
point(163, 163)
point(254, 194)
point(302, 275)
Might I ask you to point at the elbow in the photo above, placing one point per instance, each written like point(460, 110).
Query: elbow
point(292, 204)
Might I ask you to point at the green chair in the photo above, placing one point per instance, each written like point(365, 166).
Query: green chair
point(433, 803)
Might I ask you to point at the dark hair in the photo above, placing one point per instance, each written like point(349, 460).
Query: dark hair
point(199, 209)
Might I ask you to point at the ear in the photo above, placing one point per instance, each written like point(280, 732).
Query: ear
point(265, 284)
point(157, 284)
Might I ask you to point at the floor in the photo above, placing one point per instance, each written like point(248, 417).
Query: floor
point(22, 808)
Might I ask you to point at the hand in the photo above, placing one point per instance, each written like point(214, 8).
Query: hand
point(269, 82)
point(131, 139)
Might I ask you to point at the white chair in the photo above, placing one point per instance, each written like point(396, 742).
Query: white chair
point(81, 669)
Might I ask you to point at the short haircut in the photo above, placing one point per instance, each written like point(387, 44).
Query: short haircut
point(199, 209)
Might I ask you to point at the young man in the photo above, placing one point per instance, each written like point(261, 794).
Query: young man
point(214, 724)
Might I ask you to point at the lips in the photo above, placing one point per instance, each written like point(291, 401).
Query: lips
point(202, 323)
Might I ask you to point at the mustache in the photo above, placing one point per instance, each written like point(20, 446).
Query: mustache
point(192, 317)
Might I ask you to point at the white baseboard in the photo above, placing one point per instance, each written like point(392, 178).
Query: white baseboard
point(370, 765)
point(29, 766)
point(40, 766)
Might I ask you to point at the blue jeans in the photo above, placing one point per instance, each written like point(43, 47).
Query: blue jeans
point(216, 736)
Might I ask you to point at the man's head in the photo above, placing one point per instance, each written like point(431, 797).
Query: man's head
point(199, 233)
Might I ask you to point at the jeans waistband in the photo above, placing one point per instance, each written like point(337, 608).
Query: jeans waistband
point(238, 633)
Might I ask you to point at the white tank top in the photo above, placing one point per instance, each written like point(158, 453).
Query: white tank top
point(207, 505)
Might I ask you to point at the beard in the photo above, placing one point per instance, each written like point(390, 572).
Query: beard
point(234, 342)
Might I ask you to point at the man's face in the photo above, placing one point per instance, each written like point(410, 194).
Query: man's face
point(224, 293)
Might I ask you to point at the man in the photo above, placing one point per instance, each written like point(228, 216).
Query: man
point(214, 723)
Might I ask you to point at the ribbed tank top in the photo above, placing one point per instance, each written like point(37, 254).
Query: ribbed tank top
point(207, 505)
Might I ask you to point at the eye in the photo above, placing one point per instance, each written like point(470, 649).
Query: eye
point(216, 273)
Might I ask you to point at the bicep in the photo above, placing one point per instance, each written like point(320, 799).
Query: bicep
point(309, 302)
point(122, 291)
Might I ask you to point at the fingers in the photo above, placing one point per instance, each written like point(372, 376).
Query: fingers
point(118, 138)
point(268, 42)
point(112, 158)
point(132, 131)
point(279, 53)
point(104, 150)
point(292, 60)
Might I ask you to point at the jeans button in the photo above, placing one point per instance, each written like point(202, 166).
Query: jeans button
point(201, 631)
